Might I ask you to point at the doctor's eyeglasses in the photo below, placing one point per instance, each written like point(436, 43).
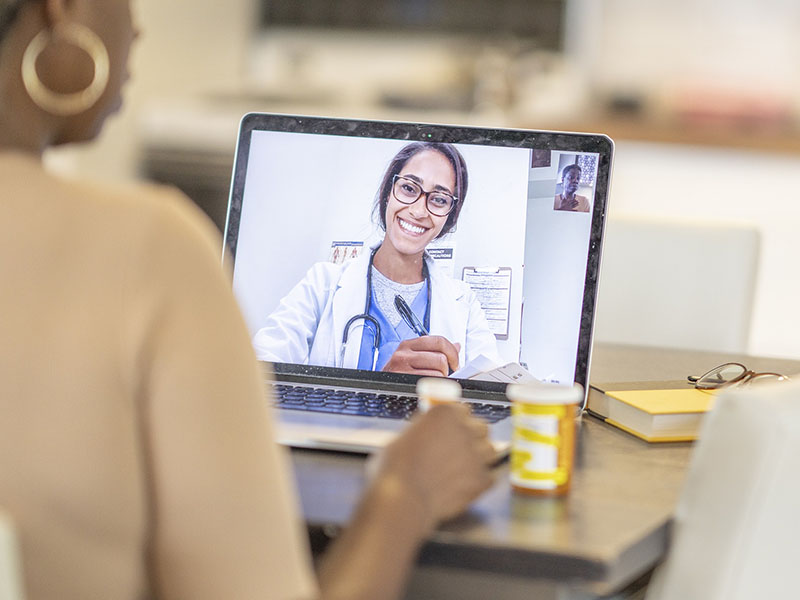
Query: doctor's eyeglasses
point(730, 375)
point(408, 191)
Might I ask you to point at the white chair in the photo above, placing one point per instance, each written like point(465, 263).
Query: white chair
point(10, 570)
point(677, 284)
point(736, 531)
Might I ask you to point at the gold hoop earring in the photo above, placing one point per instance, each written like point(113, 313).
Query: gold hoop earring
point(56, 103)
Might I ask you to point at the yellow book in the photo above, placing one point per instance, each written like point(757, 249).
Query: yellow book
point(668, 413)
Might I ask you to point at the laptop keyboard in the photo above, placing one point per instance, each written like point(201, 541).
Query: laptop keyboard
point(367, 404)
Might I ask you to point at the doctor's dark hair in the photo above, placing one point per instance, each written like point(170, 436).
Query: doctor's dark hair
point(399, 161)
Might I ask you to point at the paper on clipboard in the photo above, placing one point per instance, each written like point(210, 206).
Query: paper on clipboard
point(492, 286)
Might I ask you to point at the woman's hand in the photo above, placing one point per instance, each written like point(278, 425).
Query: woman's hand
point(442, 462)
point(430, 355)
point(431, 472)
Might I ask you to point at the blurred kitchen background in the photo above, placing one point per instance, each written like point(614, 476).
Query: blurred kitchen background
point(701, 96)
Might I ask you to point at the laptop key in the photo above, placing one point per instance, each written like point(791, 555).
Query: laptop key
point(392, 414)
point(292, 401)
point(283, 406)
point(322, 408)
point(354, 411)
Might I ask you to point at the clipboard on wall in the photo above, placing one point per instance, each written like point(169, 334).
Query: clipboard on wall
point(492, 286)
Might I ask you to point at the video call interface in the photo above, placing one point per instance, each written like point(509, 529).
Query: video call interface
point(520, 243)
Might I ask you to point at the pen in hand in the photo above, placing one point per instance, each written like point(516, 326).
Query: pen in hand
point(409, 317)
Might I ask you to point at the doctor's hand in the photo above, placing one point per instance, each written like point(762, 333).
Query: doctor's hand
point(429, 355)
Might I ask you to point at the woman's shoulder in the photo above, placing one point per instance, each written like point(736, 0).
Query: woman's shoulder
point(155, 236)
point(142, 202)
point(145, 214)
point(54, 206)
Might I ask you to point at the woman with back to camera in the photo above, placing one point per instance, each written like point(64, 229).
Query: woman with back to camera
point(347, 315)
point(136, 449)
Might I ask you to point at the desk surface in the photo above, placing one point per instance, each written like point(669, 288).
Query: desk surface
point(611, 528)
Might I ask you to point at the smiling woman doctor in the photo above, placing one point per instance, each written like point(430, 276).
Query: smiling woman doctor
point(348, 315)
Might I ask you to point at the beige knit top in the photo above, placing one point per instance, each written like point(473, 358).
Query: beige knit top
point(136, 449)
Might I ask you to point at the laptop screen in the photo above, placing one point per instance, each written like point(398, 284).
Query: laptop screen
point(490, 237)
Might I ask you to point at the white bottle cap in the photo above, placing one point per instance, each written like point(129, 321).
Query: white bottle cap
point(545, 393)
point(437, 389)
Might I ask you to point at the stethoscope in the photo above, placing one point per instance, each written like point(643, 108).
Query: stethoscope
point(368, 318)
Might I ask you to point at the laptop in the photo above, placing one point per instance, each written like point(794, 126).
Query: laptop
point(509, 223)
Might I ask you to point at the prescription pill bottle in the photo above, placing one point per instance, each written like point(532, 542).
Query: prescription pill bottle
point(436, 390)
point(543, 441)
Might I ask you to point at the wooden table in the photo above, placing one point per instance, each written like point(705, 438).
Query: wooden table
point(612, 528)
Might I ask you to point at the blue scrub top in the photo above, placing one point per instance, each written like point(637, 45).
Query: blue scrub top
point(390, 337)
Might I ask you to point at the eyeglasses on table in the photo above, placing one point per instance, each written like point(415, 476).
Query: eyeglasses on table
point(732, 374)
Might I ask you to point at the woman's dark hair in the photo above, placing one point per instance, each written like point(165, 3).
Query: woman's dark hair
point(399, 161)
point(572, 167)
point(9, 9)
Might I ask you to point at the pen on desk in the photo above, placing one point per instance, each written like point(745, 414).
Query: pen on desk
point(408, 316)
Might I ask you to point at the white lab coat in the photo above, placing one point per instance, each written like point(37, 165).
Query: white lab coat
point(308, 325)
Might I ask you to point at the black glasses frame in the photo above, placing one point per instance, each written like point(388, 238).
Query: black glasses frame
point(706, 381)
point(422, 193)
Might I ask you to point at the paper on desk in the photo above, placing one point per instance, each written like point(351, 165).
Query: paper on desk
point(483, 368)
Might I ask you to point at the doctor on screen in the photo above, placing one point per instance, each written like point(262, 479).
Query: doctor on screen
point(389, 309)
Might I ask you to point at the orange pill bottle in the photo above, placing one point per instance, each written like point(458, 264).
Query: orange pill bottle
point(543, 442)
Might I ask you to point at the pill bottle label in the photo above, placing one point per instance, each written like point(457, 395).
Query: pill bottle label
point(542, 448)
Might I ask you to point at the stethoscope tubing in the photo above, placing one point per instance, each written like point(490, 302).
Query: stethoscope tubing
point(375, 342)
point(368, 318)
